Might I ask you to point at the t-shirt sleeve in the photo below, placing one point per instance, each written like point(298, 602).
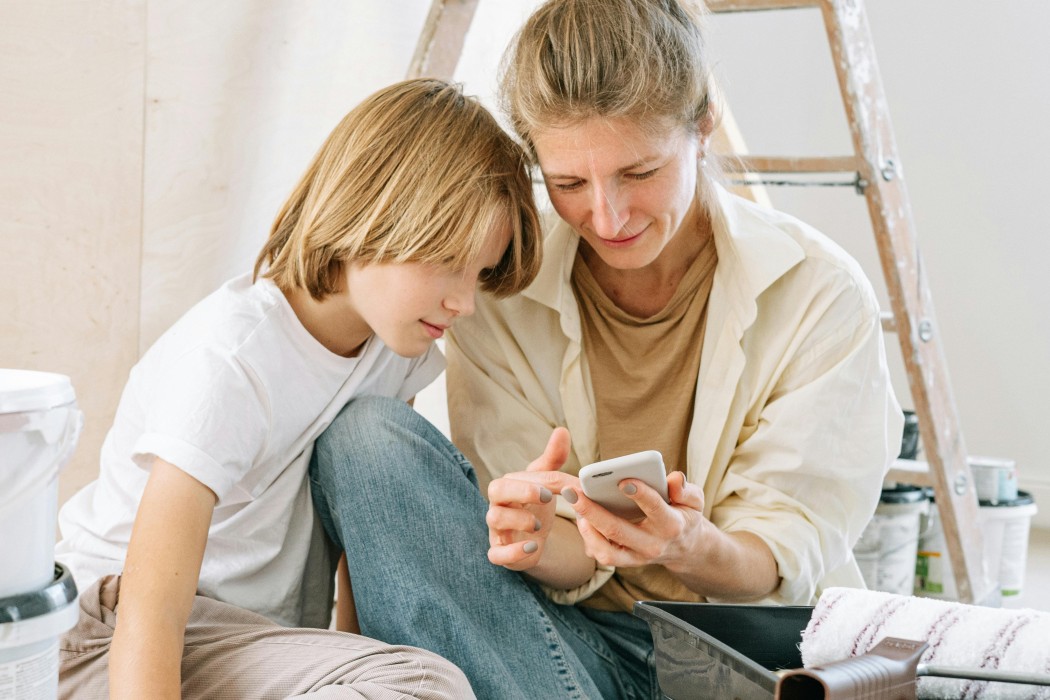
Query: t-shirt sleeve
point(207, 416)
point(421, 372)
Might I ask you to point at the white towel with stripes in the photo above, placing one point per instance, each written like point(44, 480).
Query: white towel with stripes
point(848, 622)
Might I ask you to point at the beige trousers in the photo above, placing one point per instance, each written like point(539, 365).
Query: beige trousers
point(234, 654)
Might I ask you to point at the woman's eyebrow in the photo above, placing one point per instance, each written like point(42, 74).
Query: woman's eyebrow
point(645, 161)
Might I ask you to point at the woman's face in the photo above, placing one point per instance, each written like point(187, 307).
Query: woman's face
point(627, 191)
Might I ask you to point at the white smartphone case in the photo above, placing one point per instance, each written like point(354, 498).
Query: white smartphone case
point(600, 481)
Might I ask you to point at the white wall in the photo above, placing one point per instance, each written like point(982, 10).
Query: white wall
point(968, 94)
point(155, 139)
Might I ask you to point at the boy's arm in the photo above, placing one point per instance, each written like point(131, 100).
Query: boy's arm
point(159, 583)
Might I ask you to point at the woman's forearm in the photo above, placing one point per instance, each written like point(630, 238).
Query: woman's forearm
point(735, 566)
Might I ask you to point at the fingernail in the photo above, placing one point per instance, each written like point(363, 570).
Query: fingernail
point(545, 495)
point(530, 547)
point(538, 525)
point(630, 489)
point(569, 495)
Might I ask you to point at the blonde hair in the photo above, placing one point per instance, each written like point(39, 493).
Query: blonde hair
point(640, 59)
point(418, 172)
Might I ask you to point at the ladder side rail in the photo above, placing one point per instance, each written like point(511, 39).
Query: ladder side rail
point(860, 84)
point(441, 40)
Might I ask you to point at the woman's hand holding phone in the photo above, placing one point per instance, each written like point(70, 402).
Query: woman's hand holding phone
point(671, 527)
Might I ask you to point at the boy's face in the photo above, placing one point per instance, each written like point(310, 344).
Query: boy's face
point(410, 305)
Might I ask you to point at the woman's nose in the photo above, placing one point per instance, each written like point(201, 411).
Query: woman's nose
point(607, 219)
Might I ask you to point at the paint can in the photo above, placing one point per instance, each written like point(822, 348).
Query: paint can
point(994, 479)
point(887, 548)
point(1005, 527)
point(39, 427)
point(30, 627)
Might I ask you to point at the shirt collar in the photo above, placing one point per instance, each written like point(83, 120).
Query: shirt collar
point(753, 252)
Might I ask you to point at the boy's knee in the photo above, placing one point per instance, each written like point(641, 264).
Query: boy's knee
point(366, 420)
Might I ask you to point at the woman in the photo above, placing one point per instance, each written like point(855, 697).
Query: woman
point(669, 315)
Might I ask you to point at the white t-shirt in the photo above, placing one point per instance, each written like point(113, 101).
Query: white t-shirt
point(234, 394)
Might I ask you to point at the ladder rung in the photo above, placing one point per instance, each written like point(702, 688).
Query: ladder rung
point(788, 164)
point(910, 471)
point(758, 5)
point(889, 322)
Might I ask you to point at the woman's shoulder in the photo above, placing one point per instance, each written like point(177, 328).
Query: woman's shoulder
point(760, 228)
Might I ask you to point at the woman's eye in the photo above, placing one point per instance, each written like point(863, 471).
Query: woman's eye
point(567, 186)
point(642, 176)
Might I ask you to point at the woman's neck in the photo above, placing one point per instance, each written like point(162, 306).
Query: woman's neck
point(645, 291)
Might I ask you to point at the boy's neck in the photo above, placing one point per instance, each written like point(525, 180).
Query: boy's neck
point(330, 321)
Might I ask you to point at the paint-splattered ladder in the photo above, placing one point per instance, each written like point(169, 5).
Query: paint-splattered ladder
point(875, 166)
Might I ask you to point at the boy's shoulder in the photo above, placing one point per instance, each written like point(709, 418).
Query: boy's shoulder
point(226, 321)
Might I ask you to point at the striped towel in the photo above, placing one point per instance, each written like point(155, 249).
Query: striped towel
point(848, 622)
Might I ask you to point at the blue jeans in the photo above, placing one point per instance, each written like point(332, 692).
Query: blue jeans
point(404, 504)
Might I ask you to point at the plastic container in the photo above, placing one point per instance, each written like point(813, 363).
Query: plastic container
point(887, 548)
point(30, 626)
point(910, 436)
point(1004, 529)
point(39, 426)
point(1005, 526)
point(705, 651)
point(995, 480)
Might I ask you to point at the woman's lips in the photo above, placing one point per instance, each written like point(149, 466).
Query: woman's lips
point(622, 242)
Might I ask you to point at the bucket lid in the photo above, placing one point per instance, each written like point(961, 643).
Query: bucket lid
point(26, 390)
point(902, 493)
point(57, 595)
point(991, 462)
point(1023, 499)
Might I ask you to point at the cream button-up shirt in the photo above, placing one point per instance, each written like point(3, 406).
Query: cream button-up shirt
point(795, 422)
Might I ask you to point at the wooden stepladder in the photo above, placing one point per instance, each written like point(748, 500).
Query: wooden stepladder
point(876, 166)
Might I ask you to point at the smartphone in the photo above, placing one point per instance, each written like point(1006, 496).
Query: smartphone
point(601, 481)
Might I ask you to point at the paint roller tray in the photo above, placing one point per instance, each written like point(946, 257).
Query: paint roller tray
point(706, 650)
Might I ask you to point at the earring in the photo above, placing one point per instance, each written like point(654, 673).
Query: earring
point(703, 159)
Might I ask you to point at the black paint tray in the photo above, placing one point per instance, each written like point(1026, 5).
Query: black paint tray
point(706, 651)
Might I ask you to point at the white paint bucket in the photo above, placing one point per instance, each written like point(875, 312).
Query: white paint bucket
point(1005, 526)
point(1004, 530)
point(30, 626)
point(888, 546)
point(39, 426)
point(994, 479)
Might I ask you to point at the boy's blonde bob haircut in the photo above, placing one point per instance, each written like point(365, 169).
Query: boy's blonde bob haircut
point(418, 172)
